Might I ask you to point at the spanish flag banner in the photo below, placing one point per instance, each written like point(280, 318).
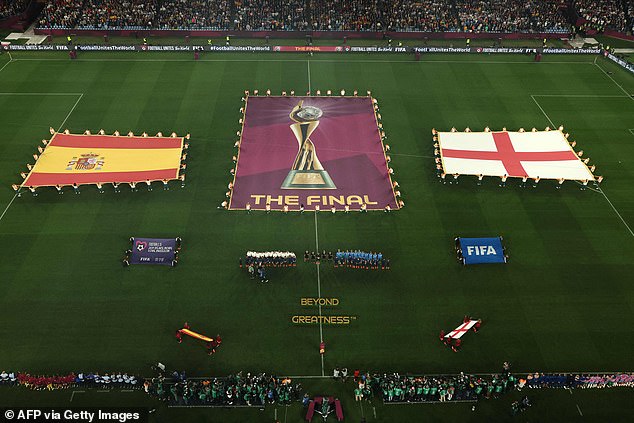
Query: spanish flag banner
point(70, 159)
point(195, 335)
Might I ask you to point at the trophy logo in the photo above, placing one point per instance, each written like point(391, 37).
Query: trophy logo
point(307, 171)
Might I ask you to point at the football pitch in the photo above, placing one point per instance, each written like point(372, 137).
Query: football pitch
point(564, 302)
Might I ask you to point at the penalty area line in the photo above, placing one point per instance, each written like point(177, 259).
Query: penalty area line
point(612, 79)
point(617, 212)
point(321, 326)
point(309, 83)
point(72, 395)
point(7, 64)
point(81, 95)
point(579, 410)
point(629, 229)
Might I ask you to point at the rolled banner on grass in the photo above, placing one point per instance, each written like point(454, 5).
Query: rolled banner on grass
point(196, 335)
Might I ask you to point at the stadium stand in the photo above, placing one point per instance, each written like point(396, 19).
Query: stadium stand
point(114, 14)
point(602, 14)
point(275, 15)
point(10, 8)
point(196, 14)
point(494, 16)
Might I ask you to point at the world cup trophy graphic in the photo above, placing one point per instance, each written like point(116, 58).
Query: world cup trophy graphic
point(307, 171)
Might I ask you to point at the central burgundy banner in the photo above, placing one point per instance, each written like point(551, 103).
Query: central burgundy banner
point(323, 49)
point(311, 151)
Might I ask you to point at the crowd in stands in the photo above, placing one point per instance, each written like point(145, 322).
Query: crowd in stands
point(10, 8)
point(605, 14)
point(262, 389)
point(194, 14)
point(505, 16)
point(399, 388)
point(404, 388)
point(234, 390)
point(350, 15)
point(420, 15)
point(61, 14)
point(270, 15)
point(334, 15)
point(541, 380)
point(39, 382)
point(106, 14)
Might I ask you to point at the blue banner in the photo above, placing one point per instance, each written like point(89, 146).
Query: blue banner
point(482, 250)
point(153, 251)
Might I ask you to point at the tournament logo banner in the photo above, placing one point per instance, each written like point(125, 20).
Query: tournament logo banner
point(482, 250)
point(319, 152)
point(160, 251)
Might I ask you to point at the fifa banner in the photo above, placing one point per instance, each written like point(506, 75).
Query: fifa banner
point(160, 251)
point(482, 250)
point(624, 64)
point(300, 49)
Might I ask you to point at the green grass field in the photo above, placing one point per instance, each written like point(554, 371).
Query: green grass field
point(563, 303)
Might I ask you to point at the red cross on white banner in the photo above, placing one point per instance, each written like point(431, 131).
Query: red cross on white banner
point(461, 330)
point(511, 159)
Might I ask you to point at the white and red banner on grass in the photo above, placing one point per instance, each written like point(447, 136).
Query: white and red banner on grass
point(461, 330)
point(541, 154)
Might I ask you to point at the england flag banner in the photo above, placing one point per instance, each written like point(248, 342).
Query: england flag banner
point(535, 155)
point(153, 251)
point(461, 330)
point(481, 250)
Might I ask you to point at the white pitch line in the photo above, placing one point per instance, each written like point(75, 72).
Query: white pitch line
point(309, 84)
point(81, 95)
point(321, 326)
point(581, 95)
point(343, 60)
point(71, 111)
point(613, 80)
point(617, 212)
point(540, 108)
point(9, 205)
point(72, 395)
point(587, 187)
point(410, 155)
point(599, 189)
point(579, 410)
point(61, 94)
point(5, 65)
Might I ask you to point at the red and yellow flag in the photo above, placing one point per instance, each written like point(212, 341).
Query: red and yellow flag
point(90, 159)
